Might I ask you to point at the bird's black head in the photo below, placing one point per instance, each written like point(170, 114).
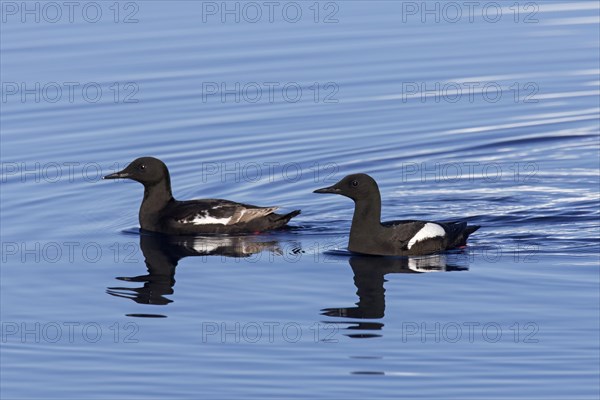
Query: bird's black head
point(355, 186)
point(148, 171)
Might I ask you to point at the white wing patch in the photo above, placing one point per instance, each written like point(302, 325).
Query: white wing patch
point(207, 219)
point(429, 230)
point(236, 215)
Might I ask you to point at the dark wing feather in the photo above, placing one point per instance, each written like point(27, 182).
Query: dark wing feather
point(456, 234)
point(403, 231)
point(186, 212)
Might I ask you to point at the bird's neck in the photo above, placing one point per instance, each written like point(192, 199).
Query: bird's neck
point(365, 222)
point(367, 212)
point(156, 198)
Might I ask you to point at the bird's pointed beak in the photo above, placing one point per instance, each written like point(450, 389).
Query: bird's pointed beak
point(331, 189)
point(117, 175)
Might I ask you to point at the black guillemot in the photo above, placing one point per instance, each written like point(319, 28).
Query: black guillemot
point(368, 235)
point(160, 212)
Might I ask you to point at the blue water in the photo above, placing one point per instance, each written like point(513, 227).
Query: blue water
point(492, 119)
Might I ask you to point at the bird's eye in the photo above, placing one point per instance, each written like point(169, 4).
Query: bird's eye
point(142, 167)
point(355, 183)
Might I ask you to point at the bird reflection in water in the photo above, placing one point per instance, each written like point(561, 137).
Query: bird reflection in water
point(162, 253)
point(369, 277)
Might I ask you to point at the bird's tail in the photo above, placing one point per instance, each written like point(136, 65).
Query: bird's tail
point(280, 220)
point(285, 218)
point(471, 229)
point(466, 233)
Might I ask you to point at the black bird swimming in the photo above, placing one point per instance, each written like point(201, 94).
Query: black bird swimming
point(160, 212)
point(368, 235)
